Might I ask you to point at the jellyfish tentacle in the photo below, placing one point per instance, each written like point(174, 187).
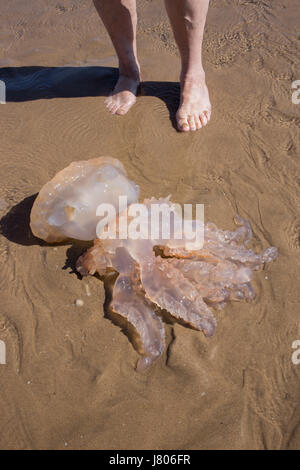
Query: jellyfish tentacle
point(138, 311)
point(216, 283)
point(129, 301)
point(216, 252)
point(95, 259)
point(167, 287)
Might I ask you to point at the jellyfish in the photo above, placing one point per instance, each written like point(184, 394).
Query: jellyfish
point(154, 273)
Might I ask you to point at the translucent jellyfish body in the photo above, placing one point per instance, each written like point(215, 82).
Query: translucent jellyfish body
point(66, 206)
point(154, 273)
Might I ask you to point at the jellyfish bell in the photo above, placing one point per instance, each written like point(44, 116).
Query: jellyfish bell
point(66, 206)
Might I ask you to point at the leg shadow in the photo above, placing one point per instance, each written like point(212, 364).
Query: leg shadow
point(168, 92)
point(35, 83)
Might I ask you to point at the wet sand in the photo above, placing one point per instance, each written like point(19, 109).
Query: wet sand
point(69, 381)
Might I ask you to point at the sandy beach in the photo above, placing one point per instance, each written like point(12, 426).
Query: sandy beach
point(69, 380)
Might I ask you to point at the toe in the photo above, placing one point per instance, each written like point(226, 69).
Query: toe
point(203, 119)
point(207, 113)
point(123, 110)
point(109, 105)
point(113, 108)
point(198, 122)
point(191, 121)
point(183, 125)
point(120, 111)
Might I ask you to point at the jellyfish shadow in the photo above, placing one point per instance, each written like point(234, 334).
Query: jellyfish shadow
point(15, 224)
point(15, 227)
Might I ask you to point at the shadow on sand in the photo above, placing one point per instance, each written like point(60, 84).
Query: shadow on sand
point(35, 83)
point(15, 226)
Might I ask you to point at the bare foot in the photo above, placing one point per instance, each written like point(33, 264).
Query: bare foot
point(123, 95)
point(195, 109)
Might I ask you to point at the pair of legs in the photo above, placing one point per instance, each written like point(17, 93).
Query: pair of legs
point(187, 19)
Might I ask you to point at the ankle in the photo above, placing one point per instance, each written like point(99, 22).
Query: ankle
point(192, 75)
point(130, 70)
